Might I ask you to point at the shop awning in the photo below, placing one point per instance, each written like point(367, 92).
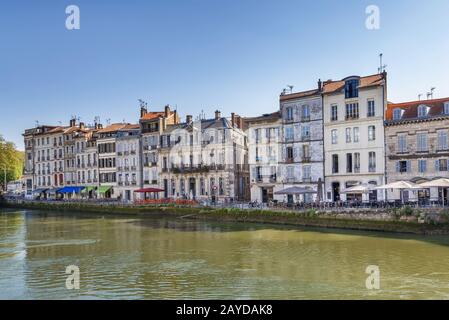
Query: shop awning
point(89, 189)
point(71, 190)
point(148, 190)
point(39, 191)
point(104, 189)
point(52, 191)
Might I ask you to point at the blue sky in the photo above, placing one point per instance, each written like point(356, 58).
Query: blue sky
point(233, 55)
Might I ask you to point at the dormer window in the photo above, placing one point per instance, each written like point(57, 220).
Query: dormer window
point(397, 114)
point(352, 88)
point(422, 111)
point(446, 107)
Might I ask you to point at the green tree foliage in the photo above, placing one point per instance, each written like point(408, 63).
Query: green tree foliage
point(11, 159)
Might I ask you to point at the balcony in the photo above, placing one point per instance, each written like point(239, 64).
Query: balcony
point(307, 180)
point(289, 160)
point(133, 152)
point(120, 183)
point(133, 168)
point(305, 138)
point(306, 159)
point(305, 118)
point(352, 117)
point(273, 178)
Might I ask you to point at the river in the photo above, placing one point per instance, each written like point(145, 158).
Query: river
point(157, 258)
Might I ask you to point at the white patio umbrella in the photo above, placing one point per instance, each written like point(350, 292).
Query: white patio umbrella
point(401, 185)
point(438, 183)
point(361, 188)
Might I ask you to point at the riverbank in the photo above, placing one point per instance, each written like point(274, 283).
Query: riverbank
point(422, 221)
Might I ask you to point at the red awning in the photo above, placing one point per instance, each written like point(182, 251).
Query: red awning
point(145, 190)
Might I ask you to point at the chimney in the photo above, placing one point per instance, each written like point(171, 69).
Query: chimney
point(320, 85)
point(143, 111)
point(233, 119)
point(100, 126)
point(167, 110)
point(189, 119)
point(72, 122)
point(82, 127)
point(217, 114)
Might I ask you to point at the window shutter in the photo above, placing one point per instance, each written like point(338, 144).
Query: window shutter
point(448, 164)
point(398, 166)
point(437, 166)
point(409, 166)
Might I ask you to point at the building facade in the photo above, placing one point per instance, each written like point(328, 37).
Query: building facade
point(205, 160)
point(302, 163)
point(354, 140)
point(417, 146)
point(264, 151)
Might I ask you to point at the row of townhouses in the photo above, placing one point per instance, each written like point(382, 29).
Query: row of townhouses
point(320, 142)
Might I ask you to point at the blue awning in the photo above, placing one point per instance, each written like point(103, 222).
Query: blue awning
point(71, 190)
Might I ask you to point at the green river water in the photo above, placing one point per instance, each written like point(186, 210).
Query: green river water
point(157, 258)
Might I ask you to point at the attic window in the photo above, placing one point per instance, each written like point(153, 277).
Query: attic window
point(397, 114)
point(446, 108)
point(422, 111)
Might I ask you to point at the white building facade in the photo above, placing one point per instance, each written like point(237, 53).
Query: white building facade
point(354, 138)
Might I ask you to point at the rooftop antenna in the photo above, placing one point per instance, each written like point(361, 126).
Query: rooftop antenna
point(97, 119)
point(429, 94)
point(37, 123)
point(290, 87)
point(382, 66)
point(108, 121)
point(431, 91)
point(142, 103)
point(419, 96)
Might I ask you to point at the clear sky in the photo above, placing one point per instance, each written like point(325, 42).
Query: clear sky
point(232, 55)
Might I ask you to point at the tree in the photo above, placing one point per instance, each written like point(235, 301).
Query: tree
point(12, 160)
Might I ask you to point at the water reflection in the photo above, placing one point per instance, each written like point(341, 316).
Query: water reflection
point(132, 258)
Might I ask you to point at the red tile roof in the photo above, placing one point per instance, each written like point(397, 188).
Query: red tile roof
point(153, 115)
point(411, 108)
point(367, 81)
point(297, 95)
point(113, 127)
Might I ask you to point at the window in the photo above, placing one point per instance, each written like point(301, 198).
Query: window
point(306, 173)
point(371, 109)
point(348, 135)
point(422, 166)
point(371, 133)
point(305, 113)
point(422, 111)
point(352, 111)
point(334, 112)
point(397, 114)
point(289, 113)
point(335, 163)
point(349, 163)
point(446, 108)
point(289, 153)
point(441, 165)
point(334, 136)
point(372, 162)
point(403, 166)
point(289, 133)
point(422, 142)
point(402, 143)
point(305, 132)
point(352, 88)
point(356, 162)
point(442, 140)
point(356, 134)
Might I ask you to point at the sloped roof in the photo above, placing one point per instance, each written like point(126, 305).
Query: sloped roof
point(153, 115)
point(367, 81)
point(436, 109)
point(265, 117)
point(113, 127)
point(297, 95)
